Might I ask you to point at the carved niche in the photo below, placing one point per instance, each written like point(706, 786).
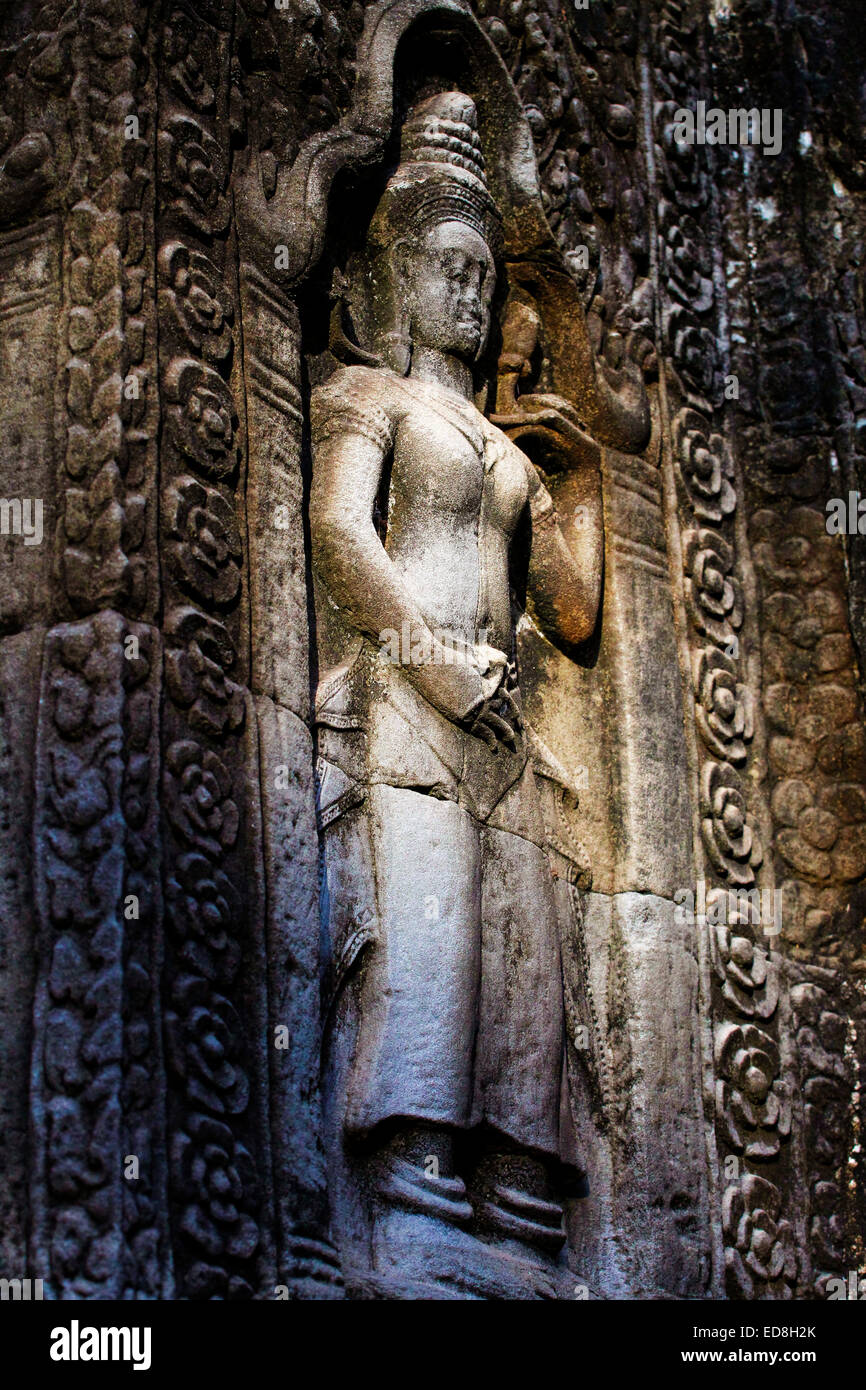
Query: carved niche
point(433, 792)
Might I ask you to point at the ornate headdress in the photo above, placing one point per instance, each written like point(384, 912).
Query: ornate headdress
point(440, 178)
point(441, 175)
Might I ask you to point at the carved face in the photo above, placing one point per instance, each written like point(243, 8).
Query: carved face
point(449, 283)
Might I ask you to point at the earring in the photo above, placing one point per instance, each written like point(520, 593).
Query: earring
point(397, 351)
point(344, 348)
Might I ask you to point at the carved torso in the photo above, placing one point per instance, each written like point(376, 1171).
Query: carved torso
point(457, 489)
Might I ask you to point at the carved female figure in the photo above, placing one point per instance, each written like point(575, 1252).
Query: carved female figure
point(446, 1029)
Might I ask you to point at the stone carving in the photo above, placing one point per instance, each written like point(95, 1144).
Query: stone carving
point(194, 295)
point(202, 421)
point(794, 330)
point(97, 1005)
point(760, 1256)
point(752, 1102)
point(29, 309)
point(822, 1019)
point(110, 445)
point(748, 976)
point(731, 844)
point(199, 654)
point(190, 61)
point(752, 1107)
point(713, 592)
point(427, 770)
point(724, 707)
point(201, 808)
point(705, 467)
point(37, 74)
point(213, 993)
point(207, 543)
point(192, 166)
point(816, 738)
point(677, 328)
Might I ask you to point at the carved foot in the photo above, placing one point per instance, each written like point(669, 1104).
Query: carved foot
point(406, 1185)
point(415, 1175)
point(421, 1247)
point(512, 1200)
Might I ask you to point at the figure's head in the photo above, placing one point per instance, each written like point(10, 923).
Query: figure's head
point(435, 236)
point(448, 279)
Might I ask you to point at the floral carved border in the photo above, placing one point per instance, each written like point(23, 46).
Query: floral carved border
point(751, 1085)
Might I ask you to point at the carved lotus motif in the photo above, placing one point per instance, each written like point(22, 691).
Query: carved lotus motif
point(705, 466)
point(802, 553)
point(204, 913)
point(205, 551)
point(749, 979)
point(760, 1257)
point(724, 709)
point(199, 801)
point(204, 1041)
point(713, 594)
point(688, 271)
point(217, 1176)
point(200, 652)
point(193, 166)
point(694, 350)
point(201, 417)
point(752, 1103)
point(682, 165)
point(195, 298)
point(827, 1115)
point(189, 53)
point(733, 847)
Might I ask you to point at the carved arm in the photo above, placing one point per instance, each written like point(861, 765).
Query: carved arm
point(566, 557)
point(360, 577)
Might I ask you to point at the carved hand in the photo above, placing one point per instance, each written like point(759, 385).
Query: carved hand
point(473, 689)
point(454, 686)
point(499, 719)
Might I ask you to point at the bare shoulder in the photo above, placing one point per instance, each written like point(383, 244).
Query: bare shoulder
point(499, 445)
point(357, 399)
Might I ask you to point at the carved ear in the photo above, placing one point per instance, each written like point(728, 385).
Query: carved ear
point(396, 349)
point(521, 325)
point(344, 348)
point(341, 329)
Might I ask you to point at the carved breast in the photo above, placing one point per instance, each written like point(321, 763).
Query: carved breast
point(506, 488)
point(457, 488)
point(437, 464)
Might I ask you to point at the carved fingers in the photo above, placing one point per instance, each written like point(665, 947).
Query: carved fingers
point(500, 720)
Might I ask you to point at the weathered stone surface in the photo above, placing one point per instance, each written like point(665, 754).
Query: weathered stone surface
point(29, 303)
point(293, 1034)
point(411, 328)
point(644, 1231)
point(20, 658)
